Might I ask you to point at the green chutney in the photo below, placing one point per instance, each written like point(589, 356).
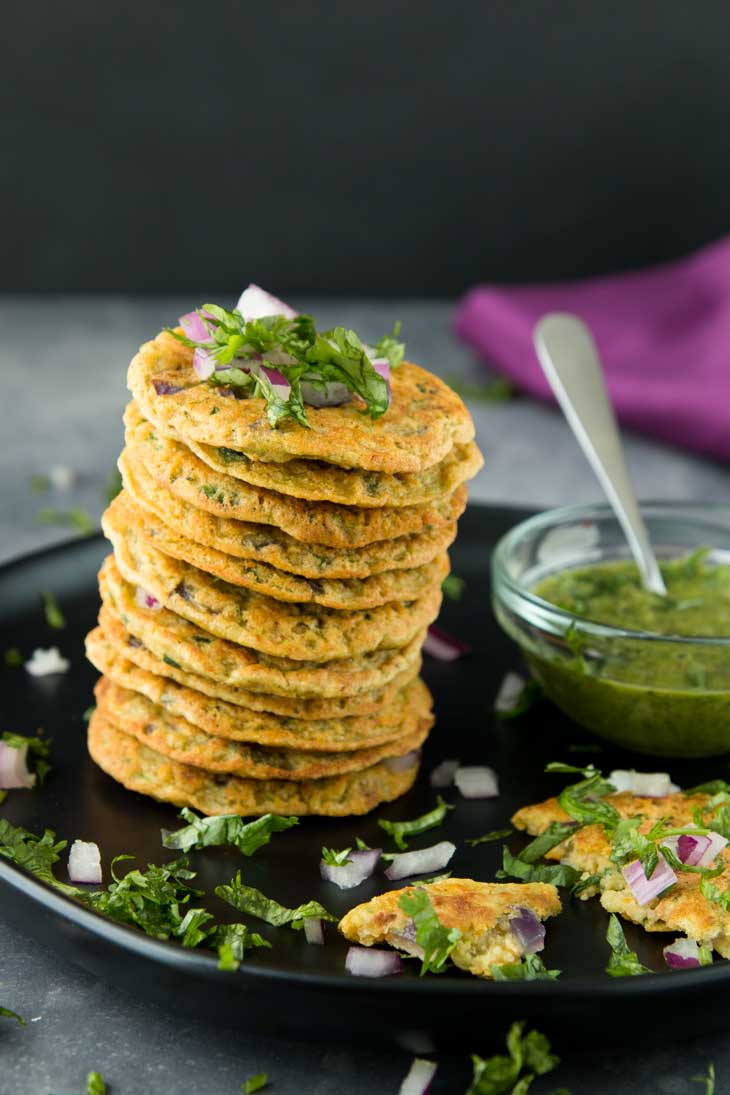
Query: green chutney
point(658, 696)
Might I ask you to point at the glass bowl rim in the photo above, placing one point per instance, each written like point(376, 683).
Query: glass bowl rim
point(581, 511)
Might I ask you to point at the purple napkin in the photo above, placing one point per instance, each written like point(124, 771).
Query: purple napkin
point(663, 334)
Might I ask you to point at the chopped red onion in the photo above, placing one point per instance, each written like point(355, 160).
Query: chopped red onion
point(510, 690)
point(361, 866)
point(204, 363)
point(528, 929)
point(696, 851)
point(163, 388)
point(682, 954)
point(444, 647)
point(405, 940)
point(423, 861)
point(443, 773)
point(382, 368)
point(146, 600)
point(84, 862)
point(646, 889)
point(404, 763)
point(195, 327)
point(330, 394)
point(717, 843)
point(418, 1080)
point(372, 962)
point(14, 771)
point(45, 663)
point(648, 784)
point(313, 930)
point(477, 781)
point(256, 303)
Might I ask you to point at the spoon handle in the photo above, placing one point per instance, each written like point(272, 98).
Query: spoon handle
point(570, 361)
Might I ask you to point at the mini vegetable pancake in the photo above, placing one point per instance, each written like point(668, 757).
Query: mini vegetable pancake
point(424, 420)
point(482, 912)
point(142, 769)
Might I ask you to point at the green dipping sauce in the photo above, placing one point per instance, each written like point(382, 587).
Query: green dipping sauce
point(670, 698)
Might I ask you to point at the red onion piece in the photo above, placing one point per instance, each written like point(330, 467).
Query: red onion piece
point(313, 930)
point(477, 781)
point(256, 303)
point(690, 849)
point(646, 889)
point(402, 764)
point(372, 962)
point(423, 861)
point(510, 690)
point(382, 368)
point(443, 773)
point(648, 784)
point(528, 929)
point(204, 363)
point(145, 599)
point(84, 862)
point(163, 388)
point(361, 866)
point(682, 954)
point(14, 771)
point(717, 843)
point(331, 394)
point(418, 1080)
point(444, 647)
point(195, 327)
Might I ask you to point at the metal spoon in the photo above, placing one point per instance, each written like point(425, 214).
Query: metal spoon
point(570, 361)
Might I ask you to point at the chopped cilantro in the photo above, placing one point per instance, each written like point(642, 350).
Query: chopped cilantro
point(3, 796)
point(436, 940)
point(33, 853)
point(54, 616)
point(531, 968)
point(170, 661)
point(39, 484)
point(315, 358)
point(515, 867)
point(556, 833)
point(715, 894)
point(334, 858)
point(38, 749)
point(88, 713)
point(209, 832)
point(232, 941)
point(399, 830)
point(254, 1083)
point(494, 1075)
point(488, 838)
point(249, 900)
point(95, 1084)
point(623, 961)
point(708, 1080)
point(712, 787)
point(497, 390)
point(13, 658)
point(453, 587)
point(8, 1014)
point(527, 698)
point(113, 486)
point(583, 801)
point(77, 519)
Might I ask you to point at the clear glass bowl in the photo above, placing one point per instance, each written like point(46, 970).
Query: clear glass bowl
point(658, 694)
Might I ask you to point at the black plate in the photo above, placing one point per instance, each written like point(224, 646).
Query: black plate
point(296, 987)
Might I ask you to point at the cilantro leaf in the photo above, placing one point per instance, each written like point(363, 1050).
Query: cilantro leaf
point(531, 968)
point(583, 801)
point(54, 616)
point(493, 1075)
point(34, 854)
point(488, 838)
point(38, 748)
point(334, 858)
point(220, 829)
point(95, 1084)
point(528, 697)
point(151, 900)
point(12, 657)
point(399, 830)
point(8, 1014)
point(515, 867)
point(498, 390)
point(436, 940)
point(623, 961)
point(249, 900)
point(556, 833)
point(712, 787)
point(77, 519)
point(708, 1080)
point(254, 1083)
point(113, 486)
point(714, 894)
point(453, 587)
point(232, 941)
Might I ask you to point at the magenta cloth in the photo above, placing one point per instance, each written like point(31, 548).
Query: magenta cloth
point(663, 334)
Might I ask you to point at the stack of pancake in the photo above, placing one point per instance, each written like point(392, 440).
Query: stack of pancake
point(264, 609)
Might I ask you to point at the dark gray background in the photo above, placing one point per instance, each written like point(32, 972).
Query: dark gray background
point(387, 147)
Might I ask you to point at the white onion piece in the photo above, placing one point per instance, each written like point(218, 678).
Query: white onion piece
point(146, 600)
point(406, 944)
point(84, 862)
point(361, 866)
point(443, 773)
point(510, 690)
point(649, 784)
point(204, 364)
point(45, 663)
point(442, 646)
point(477, 781)
point(422, 861)
point(14, 771)
point(717, 843)
point(313, 930)
point(372, 962)
point(419, 1077)
point(255, 303)
point(331, 394)
point(404, 763)
point(682, 954)
point(61, 477)
point(646, 889)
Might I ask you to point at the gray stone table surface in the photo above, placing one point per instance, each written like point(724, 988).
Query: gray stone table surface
point(62, 392)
